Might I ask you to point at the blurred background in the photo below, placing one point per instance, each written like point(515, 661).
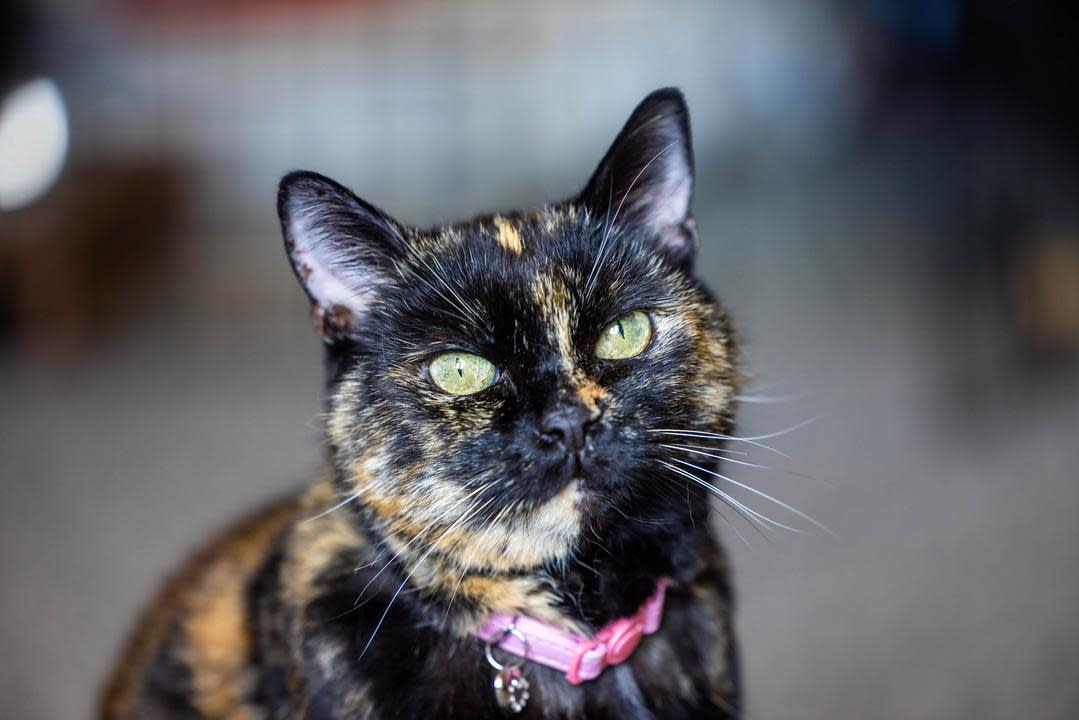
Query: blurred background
point(887, 196)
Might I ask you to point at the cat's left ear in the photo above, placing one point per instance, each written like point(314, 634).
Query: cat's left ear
point(646, 177)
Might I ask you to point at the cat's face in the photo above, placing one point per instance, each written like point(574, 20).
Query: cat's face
point(498, 382)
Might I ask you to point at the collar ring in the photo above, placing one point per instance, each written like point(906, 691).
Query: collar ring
point(488, 650)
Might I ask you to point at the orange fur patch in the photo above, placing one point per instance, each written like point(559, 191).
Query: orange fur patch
point(591, 394)
point(507, 236)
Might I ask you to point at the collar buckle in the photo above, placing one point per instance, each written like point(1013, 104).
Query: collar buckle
point(580, 658)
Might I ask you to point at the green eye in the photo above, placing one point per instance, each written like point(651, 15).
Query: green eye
point(625, 337)
point(460, 373)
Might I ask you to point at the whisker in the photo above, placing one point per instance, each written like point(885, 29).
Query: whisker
point(719, 436)
point(745, 511)
point(784, 431)
point(468, 315)
point(637, 519)
point(700, 450)
point(733, 527)
point(707, 497)
point(446, 284)
point(439, 518)
point(725, 451)
point(339, 505)
point(457, 523)
point(464, 570)
point(769, 399)
point(764, 495)
point(360, 602)
point(610, 202)
point(414, 538)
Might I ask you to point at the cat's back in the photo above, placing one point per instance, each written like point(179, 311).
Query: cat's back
point(190, 653)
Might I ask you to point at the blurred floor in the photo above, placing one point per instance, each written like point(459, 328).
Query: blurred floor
point(949, 593)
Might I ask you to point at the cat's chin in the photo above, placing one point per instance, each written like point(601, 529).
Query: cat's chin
point(586, 494)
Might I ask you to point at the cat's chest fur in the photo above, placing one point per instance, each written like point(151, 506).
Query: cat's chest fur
point(316, 622)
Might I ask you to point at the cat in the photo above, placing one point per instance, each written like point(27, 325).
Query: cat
point(501, 401)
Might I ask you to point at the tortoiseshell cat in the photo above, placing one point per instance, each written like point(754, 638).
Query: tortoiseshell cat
point(494, 392)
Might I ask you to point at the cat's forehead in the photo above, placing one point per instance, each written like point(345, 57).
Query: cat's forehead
point(517, 274)
point(536, 234)
point(539, 253)
point(547, 257)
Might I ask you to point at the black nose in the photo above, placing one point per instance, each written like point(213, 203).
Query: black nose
point(569, 424)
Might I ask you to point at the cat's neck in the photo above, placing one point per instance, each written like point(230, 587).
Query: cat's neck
point(610, 573)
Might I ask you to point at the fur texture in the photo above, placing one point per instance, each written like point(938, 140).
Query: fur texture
point(357, 598)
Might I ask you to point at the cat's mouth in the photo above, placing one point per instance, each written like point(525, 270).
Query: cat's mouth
point(582, 472)
point(581, 468)
point(592, 468)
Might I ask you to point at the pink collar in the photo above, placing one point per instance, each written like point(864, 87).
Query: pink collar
point(580, 658)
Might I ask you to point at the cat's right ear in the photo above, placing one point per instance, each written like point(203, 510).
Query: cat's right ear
point(341, 248)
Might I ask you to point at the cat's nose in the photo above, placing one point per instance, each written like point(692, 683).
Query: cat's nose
point(570, 424)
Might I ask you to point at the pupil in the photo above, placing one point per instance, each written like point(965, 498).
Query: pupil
point(460, 366)
point(621, 330)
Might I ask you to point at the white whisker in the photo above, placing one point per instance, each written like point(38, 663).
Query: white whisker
point(464, 570)
point(764, 495)
point(740, 507)
point(700, 450)
point(784, 431)
point(719, 436)
point(441, 517)
point(769, 399)
point(324, 513)
point(457, 523)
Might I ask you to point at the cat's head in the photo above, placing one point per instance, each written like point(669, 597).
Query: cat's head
point(497, 384)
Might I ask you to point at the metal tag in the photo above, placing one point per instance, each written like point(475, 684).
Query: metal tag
point(511, 690)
